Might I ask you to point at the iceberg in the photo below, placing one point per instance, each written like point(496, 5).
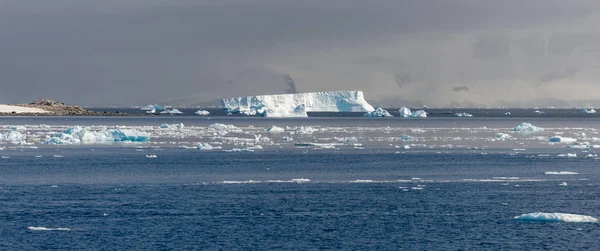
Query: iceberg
point(153, 108)
point(202, 113)
point(78, 134)
point(527, 127)
point(275, 129)
point(332, 101)
point(172, 112)
point(205, 147)
point(379, 112)
point(502, 136)
point(591, 110)
point(556, 217)
point(406, 113)
point(15, 136)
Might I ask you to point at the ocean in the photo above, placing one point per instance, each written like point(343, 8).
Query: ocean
point(342, 183)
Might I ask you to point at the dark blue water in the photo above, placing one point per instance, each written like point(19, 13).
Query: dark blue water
point(114, 198)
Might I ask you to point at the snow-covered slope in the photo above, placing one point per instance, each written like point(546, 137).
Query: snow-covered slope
point(334, 101)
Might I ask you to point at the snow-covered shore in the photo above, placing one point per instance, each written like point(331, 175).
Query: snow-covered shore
point(20, 109)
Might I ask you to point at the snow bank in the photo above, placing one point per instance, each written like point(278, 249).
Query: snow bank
point(334, 101)
point(20, 109)
point(406, 113)
point(556, 217)
point(379, 112)
point(78, 134)
point(527, 127)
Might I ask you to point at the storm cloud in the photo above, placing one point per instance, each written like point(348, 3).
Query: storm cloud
point(132, 52)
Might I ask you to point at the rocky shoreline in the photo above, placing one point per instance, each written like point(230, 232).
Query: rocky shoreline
point(56, 108)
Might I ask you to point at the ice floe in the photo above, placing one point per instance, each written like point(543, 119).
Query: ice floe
point(78, 134)
point(561, 173)
point(202, 113)
point(527, 127)
point(48, 229)
point(559, 139)
point(556, 217)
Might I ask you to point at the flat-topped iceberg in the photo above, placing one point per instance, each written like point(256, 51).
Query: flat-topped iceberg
point(288, 104)
point(556, 217)
point(379, 112)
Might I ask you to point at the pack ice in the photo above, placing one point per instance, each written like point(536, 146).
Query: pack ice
point(292, 104)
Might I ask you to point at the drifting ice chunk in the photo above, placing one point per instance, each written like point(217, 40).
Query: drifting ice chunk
point(561, 173)
point(15, 136)
point(48, 229)
point(153, 108)
point(205, 146)
point(172, 112)
point(202, 113)
point(502, 136)
point(335, 101)
point(224, 129)
point(559, 139)
point(463, 114)
point(556, 217)
point(406, 113)
point(275, 129)
point(379, 112)
point(591, 110)
point(78, 134)
point(527, 127)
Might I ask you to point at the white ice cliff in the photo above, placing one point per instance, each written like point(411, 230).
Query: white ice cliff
point(288, 104)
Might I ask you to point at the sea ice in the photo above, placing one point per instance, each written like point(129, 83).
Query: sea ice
point(78, 134)
point(556, 217)
point(379, 112)
point(527, 127)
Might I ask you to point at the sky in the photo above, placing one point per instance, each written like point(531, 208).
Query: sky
point(440, 53)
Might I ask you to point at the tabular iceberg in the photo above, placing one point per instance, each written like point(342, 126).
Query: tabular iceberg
point(334, 101)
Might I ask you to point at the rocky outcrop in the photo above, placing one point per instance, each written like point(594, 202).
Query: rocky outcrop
point(61, 109)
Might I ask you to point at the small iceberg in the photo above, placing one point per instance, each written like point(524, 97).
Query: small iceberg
point(49, 229)
point(172, 112)
point(556, 217)
point(561, 173)
point(379, 112)
point(406, 113)
point(527, 128)
point(559, 139)
point(151, 156)
point(202, 113)
point(591, 110)
point(502, 136)
point(463, 114)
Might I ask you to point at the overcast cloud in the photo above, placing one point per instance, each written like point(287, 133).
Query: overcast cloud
point(134, 52)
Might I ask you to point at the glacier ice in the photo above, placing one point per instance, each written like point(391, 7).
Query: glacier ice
point(202, 113)
point(78, 134)
point(556, 217)
point(407, 113)
point(379, 112)
point(333, 101)
point(527, 127)
point(280, 112)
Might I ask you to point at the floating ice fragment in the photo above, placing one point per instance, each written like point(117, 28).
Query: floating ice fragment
point(406, 113)
point(379, 112)
point(591, 110)
point(559, 139)
point(78, 134)
point(561, 173)
point(48, 229)
point(463, 114)
point(564, 184)
point(556, 217)
point(172, 112)
point(275, 129)
point(151, 156)
point(205, 146)
point(527, 127)
point(502, 136)
point(202, 113)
